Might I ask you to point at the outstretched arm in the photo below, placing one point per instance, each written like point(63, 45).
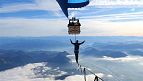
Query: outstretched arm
point(82, 42)
point(71, 41)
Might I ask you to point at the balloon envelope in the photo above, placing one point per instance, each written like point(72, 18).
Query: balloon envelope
point(65, 4)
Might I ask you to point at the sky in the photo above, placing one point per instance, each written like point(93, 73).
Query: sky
point(45, 18)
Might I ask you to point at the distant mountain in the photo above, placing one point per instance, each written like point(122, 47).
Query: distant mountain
point(119, 46)
point(90, 51)
point(29, 43)
point(13, 58)
point(53, 42)
point(136, 52)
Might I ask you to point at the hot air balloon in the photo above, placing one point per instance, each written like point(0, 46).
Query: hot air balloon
point(74, 24)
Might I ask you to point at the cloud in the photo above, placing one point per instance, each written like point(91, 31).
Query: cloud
point(53, 5)
point(48, 27)
point(19, 73)
point(111, 14)
point(47, 5)
point(110, 76)
point(94, 23)
point(81, 77)
point(109, 28)
point(124, 59)
point(116, 3)
point(114, 10)
point(137, 59)
point(25, 73)
point(32, 27)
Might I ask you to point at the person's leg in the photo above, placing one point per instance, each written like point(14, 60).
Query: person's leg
point(76, 55)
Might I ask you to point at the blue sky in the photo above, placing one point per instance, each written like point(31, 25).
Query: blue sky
point(45, 18)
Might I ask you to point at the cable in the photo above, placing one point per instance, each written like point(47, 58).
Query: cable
point(84, 72)
point(75, 37)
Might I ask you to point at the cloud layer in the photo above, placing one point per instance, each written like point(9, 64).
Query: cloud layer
point(44, 17)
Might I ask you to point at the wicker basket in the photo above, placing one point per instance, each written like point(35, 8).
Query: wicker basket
point(74, 29)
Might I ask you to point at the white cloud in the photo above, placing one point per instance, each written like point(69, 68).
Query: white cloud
point(32, 27)
point(25, 73)
point(38, 5)
point(48, 27)
point(125, 59)
point(116, 3)
point(134, 16)
point(108, 28)
point(19, 73)
point(99, 25)
point(110, 76)
point(136, 59)
point(81, 77)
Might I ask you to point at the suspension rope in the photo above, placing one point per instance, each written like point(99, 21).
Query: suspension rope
point(75, 37)
point(84, 69)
